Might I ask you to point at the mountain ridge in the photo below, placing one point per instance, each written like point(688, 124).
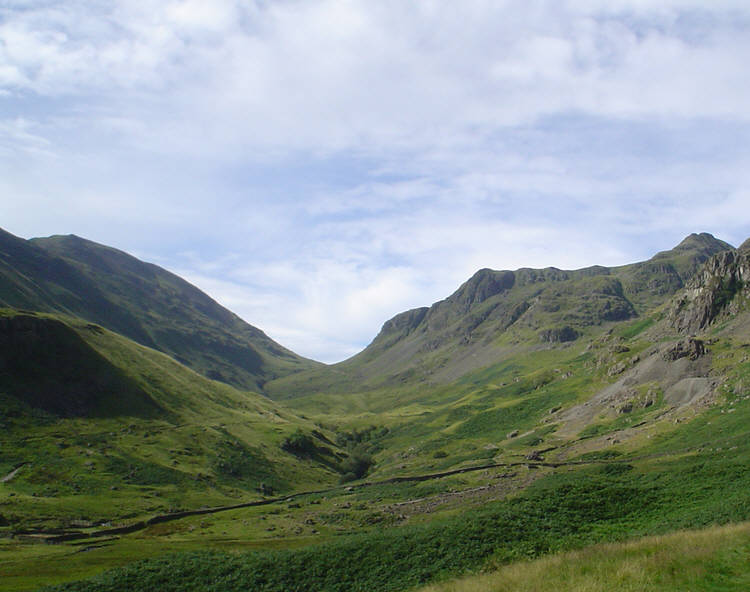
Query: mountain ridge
point(537, 409)
point(151, 305)
point(487, 283)
point(498, 309)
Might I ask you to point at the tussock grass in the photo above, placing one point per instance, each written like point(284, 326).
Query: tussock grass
point(716, 558)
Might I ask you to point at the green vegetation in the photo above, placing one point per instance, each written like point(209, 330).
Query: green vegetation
point(70, 275)
point(703, 560)
point(530, 413)
point(498, 315)
point(106, 431)
point(635, 328)
point(562, 511)
point(728, 288)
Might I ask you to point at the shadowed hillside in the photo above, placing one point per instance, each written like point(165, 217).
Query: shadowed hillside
point(141, 301)
point(48, 366)
point(95, 425)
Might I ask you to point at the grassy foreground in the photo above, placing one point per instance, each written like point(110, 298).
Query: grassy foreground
point(716, 558)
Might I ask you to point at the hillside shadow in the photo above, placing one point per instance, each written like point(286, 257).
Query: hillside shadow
point(45, 364)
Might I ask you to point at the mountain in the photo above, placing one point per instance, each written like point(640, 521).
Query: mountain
point(48, 366)
point(532, 411)
point(720, 288)
point(141, 301)
point(102, 428)
point(498, 313)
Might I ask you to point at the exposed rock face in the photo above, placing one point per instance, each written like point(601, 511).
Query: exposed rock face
point(483, 285)
point(723, 283)
point(654, 277)
point(687, 348)
point(494, 312)
point(465, 301)
point(671, 375)
point(616, 369)
point(559, 335)
point(404, 323)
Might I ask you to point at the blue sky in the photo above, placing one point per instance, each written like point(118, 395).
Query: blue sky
point(320, 166)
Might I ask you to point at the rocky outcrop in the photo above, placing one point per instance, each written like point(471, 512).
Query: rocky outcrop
point(482, 285)
point(404, 323)
point(721, 286)
point(559, 335)
point(687, 348)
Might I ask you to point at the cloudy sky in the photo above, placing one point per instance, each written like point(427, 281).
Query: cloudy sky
point(319, 166)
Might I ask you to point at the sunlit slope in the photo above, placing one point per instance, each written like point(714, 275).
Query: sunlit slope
point(102, 428)
point(692, 472)
point(141, 301)
point(567, 508)
point(710, 559)
point(497, 315)
point(639, 428)
point(613, 390)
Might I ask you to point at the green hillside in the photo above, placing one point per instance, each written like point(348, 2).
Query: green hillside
point(496, 315)
point(102, 430)
point(141, 301)
point(614, 406)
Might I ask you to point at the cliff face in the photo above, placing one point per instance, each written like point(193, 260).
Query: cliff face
point(721, 286)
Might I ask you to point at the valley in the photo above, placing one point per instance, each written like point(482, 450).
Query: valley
point(161, 442)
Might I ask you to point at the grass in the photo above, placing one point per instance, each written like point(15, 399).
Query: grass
point(567, 509)
point(713, 559)
point(488, 321)
point(155, 308)
point(631, 330)
point(210, 444)
point(196, 442)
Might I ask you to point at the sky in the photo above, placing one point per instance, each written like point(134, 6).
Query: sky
point(319, 166)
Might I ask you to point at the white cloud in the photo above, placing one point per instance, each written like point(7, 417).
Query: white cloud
point(330, 75)
point(321, 165)
point(19, 136)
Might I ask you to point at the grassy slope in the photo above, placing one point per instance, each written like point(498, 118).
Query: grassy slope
point(141, 301)
point(150, 436)
point(716, 558)
point(566, 509)
point(699, 477)
point(675, 473)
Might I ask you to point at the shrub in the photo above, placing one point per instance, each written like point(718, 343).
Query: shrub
point(299, 444)
point(357, 464)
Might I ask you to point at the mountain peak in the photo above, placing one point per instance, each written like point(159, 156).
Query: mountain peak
point(694, 250)
point(484, 284)
point(701, 241)
point(148, 304)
